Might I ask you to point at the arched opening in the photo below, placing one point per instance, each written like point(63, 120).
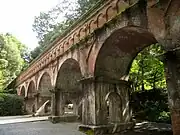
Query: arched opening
point(118, 51)
point(30, 102)
point(44, 88)
point(68, 107)
point(47, 107)
point(113, 62)
point(114, 107)
point(23, 91)
point(68, 93)
point(149, 96)
point(22, 94)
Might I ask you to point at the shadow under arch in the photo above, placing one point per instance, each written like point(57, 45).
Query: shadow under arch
point(44, 88)
point(67, 86)
point(31, 89)
point(30, 103)
point(118, 51)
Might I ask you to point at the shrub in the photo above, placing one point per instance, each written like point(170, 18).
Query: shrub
point(10, 104)
point(151, 105)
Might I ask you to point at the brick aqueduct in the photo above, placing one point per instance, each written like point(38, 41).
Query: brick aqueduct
point(89, 64)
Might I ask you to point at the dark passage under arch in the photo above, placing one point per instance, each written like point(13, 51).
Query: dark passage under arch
point(68, 88)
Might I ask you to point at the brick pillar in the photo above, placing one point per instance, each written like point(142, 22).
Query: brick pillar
point(75, 108)
point(175, 117)
point(172, 66)
point(88, 102)
point(94, 106)
point(53, 102)
point(36, 95)
point(61, 103)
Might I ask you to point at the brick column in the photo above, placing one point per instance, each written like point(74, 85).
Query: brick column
point(36, 95)
point(88, 102)
point(94, 106)
point(61, 103)
point(172, 70)
point(175, 117)
point(53, 102)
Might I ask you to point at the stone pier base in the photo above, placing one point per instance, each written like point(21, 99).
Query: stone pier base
point(106, 129)
point(175, 117)
point(64, 118)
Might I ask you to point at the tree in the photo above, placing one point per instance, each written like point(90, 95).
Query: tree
point(147, 72)
point(12, 58)
point(48, 27)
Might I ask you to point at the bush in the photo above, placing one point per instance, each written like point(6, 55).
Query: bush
point(10, 105)
point(151, 105)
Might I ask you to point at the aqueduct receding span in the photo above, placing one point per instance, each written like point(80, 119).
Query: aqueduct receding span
point(89, 64)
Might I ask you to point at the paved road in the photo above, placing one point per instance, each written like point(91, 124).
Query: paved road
point(40, 128)
point(23, 125)
point(18, 119)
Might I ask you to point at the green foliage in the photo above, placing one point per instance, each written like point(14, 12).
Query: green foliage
point(88, 131)
point(164, 117)
point(151, 105)
point(147, 72)
point(10, 105)
point(12, 58)
point(149, 99)
point(48, 27)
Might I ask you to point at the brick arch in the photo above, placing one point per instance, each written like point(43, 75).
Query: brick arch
point(114, 56)
point(22, 91)
point(69, 67)
point(114, 106)
point(31, 88)
point(47, 72)
point(45, 78)
point(67, 85)
point(31, 91)
point(76, 57)
point(44, 86)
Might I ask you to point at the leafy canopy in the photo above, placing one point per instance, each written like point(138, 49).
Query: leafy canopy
point(12, 58)
point(147, 71)
point(49, 25)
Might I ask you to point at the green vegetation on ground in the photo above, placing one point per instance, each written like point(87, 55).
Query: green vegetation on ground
point(10, 105)
point(13, 59)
